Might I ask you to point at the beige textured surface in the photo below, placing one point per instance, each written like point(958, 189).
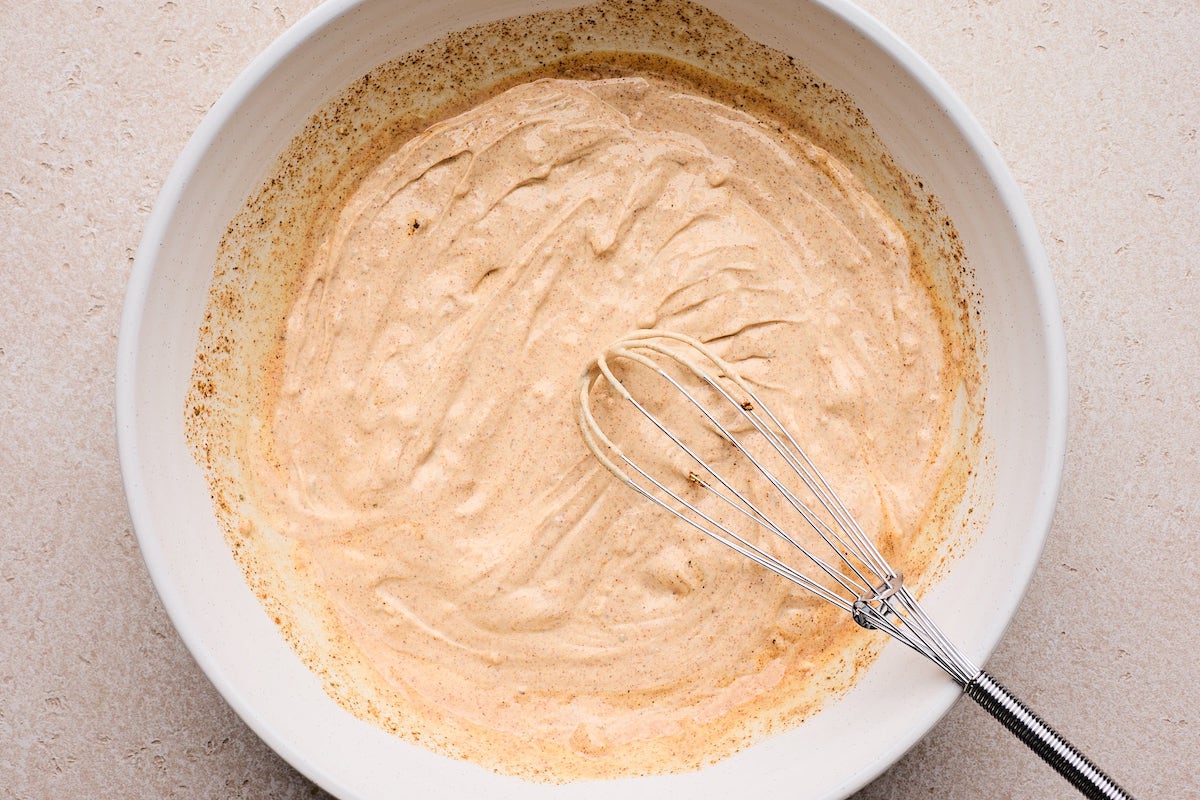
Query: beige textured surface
point(1096, 108)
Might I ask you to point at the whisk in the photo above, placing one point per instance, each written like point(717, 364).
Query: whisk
point(832, 557)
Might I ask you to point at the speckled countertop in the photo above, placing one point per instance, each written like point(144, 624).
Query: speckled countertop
point(1094, 105)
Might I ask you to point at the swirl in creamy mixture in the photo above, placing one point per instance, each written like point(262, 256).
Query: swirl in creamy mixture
point(422, 447)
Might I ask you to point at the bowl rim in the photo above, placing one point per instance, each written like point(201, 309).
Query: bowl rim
point(311, 24)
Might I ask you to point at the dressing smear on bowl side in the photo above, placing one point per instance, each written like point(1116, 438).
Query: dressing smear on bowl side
point(383, 391)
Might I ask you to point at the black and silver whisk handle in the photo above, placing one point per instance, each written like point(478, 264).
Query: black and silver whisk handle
point(1042, 739)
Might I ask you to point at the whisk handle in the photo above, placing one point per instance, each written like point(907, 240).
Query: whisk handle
point(1043, 740)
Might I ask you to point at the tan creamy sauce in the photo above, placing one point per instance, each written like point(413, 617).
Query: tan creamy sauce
point(425, 426)
point(384, 394)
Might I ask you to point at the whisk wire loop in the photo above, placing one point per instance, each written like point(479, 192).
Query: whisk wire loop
point(864, 569)
point(778, 438)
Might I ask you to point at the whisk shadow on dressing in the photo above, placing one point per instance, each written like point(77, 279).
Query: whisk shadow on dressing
point(385, 383)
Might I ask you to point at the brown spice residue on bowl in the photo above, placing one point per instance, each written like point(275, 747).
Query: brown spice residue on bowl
point(368, 535)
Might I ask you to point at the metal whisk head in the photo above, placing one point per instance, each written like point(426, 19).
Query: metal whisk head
point(741, 478)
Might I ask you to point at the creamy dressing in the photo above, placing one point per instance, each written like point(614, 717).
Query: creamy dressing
point(425, 428)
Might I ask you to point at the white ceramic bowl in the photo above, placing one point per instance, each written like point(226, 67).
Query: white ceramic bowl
point(923, 124)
